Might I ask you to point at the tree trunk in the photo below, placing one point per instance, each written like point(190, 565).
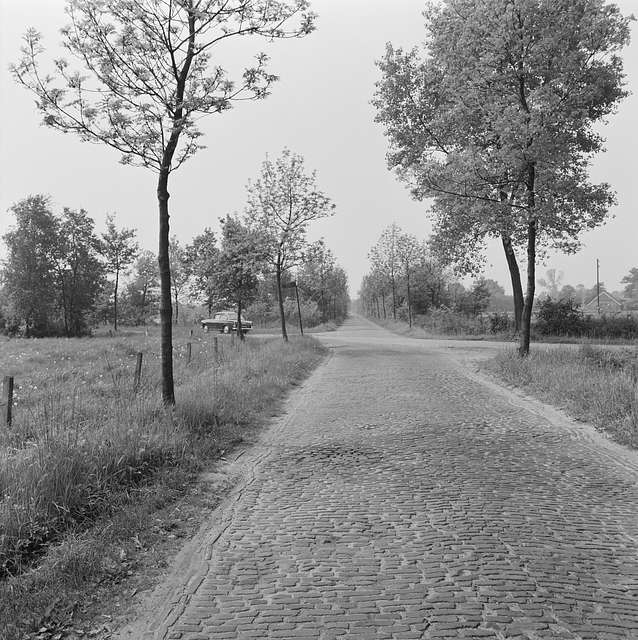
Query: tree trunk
point(515, 276)
point(385, 315)
point(526, 320)
point(280, 300)
point(240, 331)
point(166, 311)
point(117, 278)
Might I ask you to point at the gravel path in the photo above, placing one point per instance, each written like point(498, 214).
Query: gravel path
point(400, 497)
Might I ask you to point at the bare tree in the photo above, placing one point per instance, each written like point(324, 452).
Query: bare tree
point(150, 76)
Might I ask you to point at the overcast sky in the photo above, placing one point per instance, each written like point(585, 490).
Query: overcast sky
point(321, 109)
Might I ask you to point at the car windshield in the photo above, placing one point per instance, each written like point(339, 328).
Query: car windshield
point(228, 315)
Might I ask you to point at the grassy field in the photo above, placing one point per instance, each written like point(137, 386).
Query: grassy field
point(87, 461)
point(593, 384)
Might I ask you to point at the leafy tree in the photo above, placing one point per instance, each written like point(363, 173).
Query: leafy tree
point(79, 274)
point(408, 253)
point(204, 258)
point(181, 269)
point(241, 261)
point(497, 120)
point(28, 269)
point(282, 202)
point(631, 284)
point(141, 291)
point(385, 260)
point(119, 249)
point(150, 78)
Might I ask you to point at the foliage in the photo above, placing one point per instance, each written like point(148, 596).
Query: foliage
point(282, 202)
point(631, 285)
point(53, 273)
point(242, 260)
point(321, 280)
point(119, 249)
point(141, 296)
point(179, 259)
point(490, 122)
point(203, 258)
point(29, 269)
point(559, 318)
point(150, 79)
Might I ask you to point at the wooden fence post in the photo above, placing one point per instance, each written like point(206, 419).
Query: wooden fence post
point(7, 399)
point(138, 372)
point(189, 352)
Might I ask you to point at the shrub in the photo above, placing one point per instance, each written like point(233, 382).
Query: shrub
point(559, 318)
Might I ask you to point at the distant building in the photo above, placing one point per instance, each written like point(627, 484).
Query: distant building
point(609, 305)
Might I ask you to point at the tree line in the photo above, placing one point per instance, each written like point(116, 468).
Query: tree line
point(60, 277)
point(406, 280)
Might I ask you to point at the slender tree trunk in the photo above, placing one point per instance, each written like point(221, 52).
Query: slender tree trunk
point(378, 309)
point(385, 315)
point(240, 331)
point(117, 278)
point(515, 276)
point(526, 320)
point(166, 311)
point(176, 308)
point(280, 300)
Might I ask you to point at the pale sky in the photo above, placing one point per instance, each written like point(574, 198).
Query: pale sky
point(321, 109)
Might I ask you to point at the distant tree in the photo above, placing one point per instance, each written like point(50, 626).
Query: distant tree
point(494, 288)
point(28, 270)
point(631, 284)
point(203, 256)
point(552, 283)
point(496, 121)
point(242, 259)
point(181, 270)
point(141, 291)
point(385, 259)
point(149, 81)
point(282, 202)
point(408, 251)
point(79, 274)
point(567, 292)
point(120, 249)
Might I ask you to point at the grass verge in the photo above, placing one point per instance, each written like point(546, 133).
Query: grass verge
point(592, 384)
point(90, 472)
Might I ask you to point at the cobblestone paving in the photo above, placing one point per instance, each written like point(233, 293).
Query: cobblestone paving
point(402, 499)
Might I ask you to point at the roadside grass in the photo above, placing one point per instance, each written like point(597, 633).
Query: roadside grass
point(592, 384)
point(470, 332)
point(417, 331)
point(87, 462)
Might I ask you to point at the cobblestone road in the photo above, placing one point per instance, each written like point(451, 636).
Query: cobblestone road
point(400, 498)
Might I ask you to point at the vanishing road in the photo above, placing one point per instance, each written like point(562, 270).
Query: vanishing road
point(402, 496)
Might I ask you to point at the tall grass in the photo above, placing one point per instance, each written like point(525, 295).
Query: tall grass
point(82, 441)
point(593, 384)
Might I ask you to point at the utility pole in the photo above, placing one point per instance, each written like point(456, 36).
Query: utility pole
point(598, 285)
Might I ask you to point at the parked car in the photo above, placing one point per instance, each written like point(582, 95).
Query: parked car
point(225, 322)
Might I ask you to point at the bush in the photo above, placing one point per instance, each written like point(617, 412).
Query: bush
point(558, 318)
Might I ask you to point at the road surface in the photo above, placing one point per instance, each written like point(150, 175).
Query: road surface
point(401, 496)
